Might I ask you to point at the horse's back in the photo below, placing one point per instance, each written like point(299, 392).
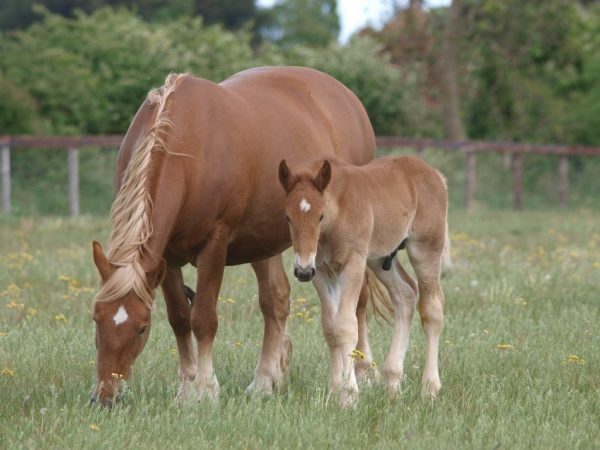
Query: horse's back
point(235, 134)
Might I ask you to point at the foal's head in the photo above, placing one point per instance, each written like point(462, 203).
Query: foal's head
point(122, 326)
point(304, 211)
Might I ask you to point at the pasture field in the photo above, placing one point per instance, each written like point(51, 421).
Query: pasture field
point(520, 352)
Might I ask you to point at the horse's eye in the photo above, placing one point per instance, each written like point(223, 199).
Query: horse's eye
point(143, 330)
point(288, 218)
point(321, 218)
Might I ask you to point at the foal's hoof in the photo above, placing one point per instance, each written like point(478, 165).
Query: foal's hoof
point(431, 387)
point(349, 397)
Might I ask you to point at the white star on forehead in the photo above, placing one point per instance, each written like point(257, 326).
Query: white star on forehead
point(121, 316)
point(304, 205)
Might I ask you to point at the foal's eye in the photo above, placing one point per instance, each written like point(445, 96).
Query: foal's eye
point(288, 218)
point(143, 330)
point(321, 218)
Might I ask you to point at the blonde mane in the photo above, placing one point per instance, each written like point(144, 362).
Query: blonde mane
point(131, 212)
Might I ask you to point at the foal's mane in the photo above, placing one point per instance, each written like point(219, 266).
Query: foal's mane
point(131, 212)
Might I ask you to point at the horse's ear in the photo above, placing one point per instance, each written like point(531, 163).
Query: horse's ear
point(156, 276)
point(284, 175)
point(323, 177)
point(105, 268)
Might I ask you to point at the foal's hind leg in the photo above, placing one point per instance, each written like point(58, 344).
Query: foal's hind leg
point(403, 293)
point(178, 310)
point(364, 368)
point(425, 258)
point(274, 299)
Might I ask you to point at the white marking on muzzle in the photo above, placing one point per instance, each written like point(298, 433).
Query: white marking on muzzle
point(298, 262)
point(304, 206)
point(121, 316)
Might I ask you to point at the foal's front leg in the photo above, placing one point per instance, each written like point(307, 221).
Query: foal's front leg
point(339, 298)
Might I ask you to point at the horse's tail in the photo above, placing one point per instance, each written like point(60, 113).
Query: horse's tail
point(379, 297)
point(446, 259)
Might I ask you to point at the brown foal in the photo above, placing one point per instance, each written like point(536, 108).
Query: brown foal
point(343, 218)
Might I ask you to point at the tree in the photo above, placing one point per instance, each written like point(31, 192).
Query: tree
point(450, 96)
point(308, 22)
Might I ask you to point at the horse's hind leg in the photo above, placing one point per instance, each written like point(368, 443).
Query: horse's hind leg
point(274, 300)
point(403, 293)
point(425, 258)
point(178, 310)
point(364, 368)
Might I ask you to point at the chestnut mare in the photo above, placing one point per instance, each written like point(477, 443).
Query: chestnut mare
point(196, 184)
point(355, 217)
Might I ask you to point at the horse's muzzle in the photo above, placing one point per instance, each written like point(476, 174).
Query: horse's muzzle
point(304, 274)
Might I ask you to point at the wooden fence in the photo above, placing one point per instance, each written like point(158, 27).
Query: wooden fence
point(469, 148)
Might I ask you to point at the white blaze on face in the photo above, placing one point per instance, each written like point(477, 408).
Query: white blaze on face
point(121, 316)
point(304, 206)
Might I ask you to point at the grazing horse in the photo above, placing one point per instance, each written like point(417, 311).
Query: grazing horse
point(195, 184)
point(355, 217)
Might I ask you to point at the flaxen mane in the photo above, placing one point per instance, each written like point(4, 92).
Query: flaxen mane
point(131, 212)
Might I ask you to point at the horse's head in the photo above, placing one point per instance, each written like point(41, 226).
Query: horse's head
point(122, 326)
point(304, 211)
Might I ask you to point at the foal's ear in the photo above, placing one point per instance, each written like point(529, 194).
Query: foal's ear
point(284, 175)
point(323, 177)
point(105, 268)
point(156, 276)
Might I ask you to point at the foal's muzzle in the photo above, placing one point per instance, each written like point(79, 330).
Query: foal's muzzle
point(304, 273)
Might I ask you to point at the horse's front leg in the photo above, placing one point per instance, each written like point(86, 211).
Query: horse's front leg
point(210, 265)
point(274, 299)
point(178, 310)
point(339, 298)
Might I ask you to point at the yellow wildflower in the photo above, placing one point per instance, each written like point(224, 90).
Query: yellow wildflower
point(14, 305)
point(60, 318)
point(94, 427)
point(357, 354)
point(173, 351)
point(238, 344)
point(575, 360)
point(8, 372)
point(3, 333)
point(504, 346)
point(597, 265)
point(64, 278)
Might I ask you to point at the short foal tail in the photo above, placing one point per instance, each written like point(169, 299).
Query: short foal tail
point(379, 297)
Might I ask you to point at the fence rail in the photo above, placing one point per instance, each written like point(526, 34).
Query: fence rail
point(468, 148)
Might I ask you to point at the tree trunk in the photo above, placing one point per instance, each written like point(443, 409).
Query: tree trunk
point(453, 124)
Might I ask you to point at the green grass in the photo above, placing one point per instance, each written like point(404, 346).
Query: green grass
point(529, 280)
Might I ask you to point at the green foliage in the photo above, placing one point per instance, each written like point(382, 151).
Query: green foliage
point(307, 22)
point(89, 75)
point(527, 69)
point(17, 109)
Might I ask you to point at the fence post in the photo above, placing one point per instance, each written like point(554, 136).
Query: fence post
point(420, 151)
point(517, 173)
point(470, 179)
point(563, 181)
point(73, 160)
point(6, 179)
